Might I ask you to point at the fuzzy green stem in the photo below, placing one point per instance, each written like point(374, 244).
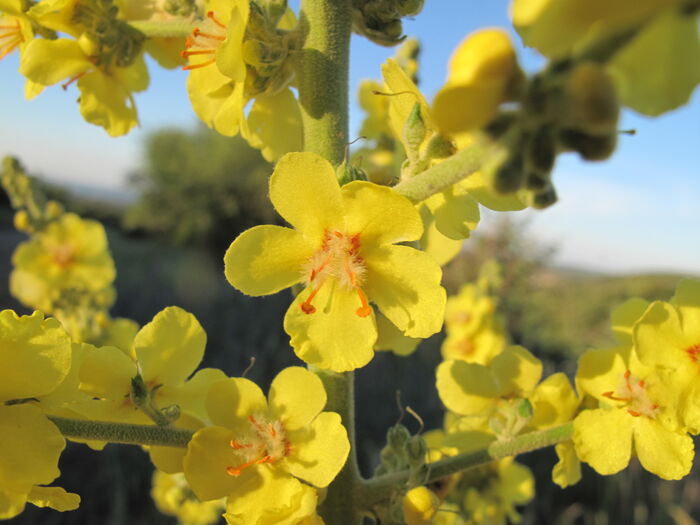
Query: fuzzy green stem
point(322, 74)
point(341, 503)
point(450, 171)
point(122, 432)
point(381, 488)
point(164, 28)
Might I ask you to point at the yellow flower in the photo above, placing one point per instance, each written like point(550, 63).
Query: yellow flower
point(35, 357)
point(637, 413)
point(174, 497)
point(668, 336)
point(419, 506)
point(343, 248)
point(220, 85)
point(558, 27)
point(475, 389)
point(167, 351)
point(70, 253)
point(260, 447)
point(484, 73)
point(105, 92)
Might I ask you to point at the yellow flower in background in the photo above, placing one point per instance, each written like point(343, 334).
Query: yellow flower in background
point(167, 352)
point(556, 28)
point(221, 81)
point(259, 448)
point(637, 413)
point(105, 95)
point(419, 506)
point(344, 249)
point(174, 497)
point(483, 73)
point(35, 357)
point(70, 253)
point(475, 389)
point(668, 337)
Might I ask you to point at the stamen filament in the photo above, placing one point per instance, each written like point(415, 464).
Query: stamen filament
point(72, 79)
point(365, 309)
point(210, 15)
point(196, 66)
point(198, 32)
point(306, 306)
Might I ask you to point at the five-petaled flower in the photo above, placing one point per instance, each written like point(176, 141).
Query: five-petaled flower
point(343, 248)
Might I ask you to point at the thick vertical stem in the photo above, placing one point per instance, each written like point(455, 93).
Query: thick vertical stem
point(341, 505)
point(322, 75)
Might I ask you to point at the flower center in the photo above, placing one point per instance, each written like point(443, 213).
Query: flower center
point(694, 353)
point(62, 255)
point(10, 35)
point(633, 392)
point(339, 259)
point(204, 42)
point(266, 443)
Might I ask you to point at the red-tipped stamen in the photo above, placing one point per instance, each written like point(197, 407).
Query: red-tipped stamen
point(197, 66)
point(611, 395)
point(10, 47)
point(365, 309)
point(72, 79)
point(306, 306)
point(185, 53)
point(198, 32)
point(235, 445)
point(212, 17)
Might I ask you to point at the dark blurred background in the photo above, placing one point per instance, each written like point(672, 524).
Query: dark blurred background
point(196, 191)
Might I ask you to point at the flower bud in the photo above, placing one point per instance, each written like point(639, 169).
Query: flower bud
point(544, 198)
point(592, 104)
point(414, 130)
point(53, 210)
point(542, 149)
point(22, 222)
point(419, 506)
point(510, 176)
point(590, 147)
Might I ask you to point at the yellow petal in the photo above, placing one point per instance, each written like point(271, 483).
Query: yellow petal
point(554, 402)
point(107, 372)
point(230, 402)
point(11, 503)
point(274, 125)
point(229, 56)
point(209, 454)
point(466, 388)
point(379, 214)
point(625, 316)
point(108, 104)
point(53, 497)
point(296, 397)
point(659, 70)
point(170, 347)
point(456, 214)
point(439, 247)
point(191, 397)
point(334, 336)
point(667, 454)
point(516, 371)
point(687, 300)
point(419, 506)
point(169, 459)
point(567, 470)
point(599, 371)
point(31, 445)
point(266, 259)
point(319, 451)
point(35, 355)
point(305, 192)
point(659, 337)
point(603, 439)
point(389, 337)
point(462, 108)
point(271, 498)
point(405, 285)
point(48, 62)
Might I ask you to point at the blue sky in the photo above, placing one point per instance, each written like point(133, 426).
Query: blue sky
point(640, 211)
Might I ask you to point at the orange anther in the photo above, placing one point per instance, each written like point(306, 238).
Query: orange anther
point(365, 309)
point(210, 15)
point(306, 306)
point(235, 445)
point(633, 413)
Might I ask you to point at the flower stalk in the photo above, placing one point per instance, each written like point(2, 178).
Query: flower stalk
point(125, 433)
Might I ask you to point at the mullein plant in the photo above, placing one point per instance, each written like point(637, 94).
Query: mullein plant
point(362, 255)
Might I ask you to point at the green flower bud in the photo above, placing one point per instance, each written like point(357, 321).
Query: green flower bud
point(348, 173)
point(440, 147)
point(592, 104)
point(544, 198)
point(534, 180)
point(500, 124)
point(416, 449)
point(414, 130)
point(590, 147)
point(409, 7)
point(510, 176)
point(542, 149)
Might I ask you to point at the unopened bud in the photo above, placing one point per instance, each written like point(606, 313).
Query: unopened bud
point(22, 222)
point(500, 124)
point(590, 147)
point(397, 437)
point(544, 198)
point(592, 104)
point(53, 210)
point(440, 147)
point(414, 130)
point(409, 7)
point(172, 412)
point(542, 149)
point(416, 450)
point(348, 173)
point(535, 180)
point(509, 177)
